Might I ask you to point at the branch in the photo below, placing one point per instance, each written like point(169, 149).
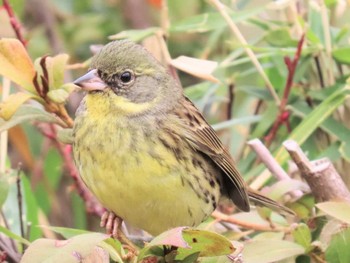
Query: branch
point(16, 25)
point(259, 227)
point(271, 163)
point(324, 181)
point(283, 117)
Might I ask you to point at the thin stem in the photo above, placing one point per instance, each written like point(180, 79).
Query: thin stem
point(319, 71)
point(221, 8)
point(231, 98)
point(19, 199)
point(16, 25)
point(259, 227)
point(283, 117)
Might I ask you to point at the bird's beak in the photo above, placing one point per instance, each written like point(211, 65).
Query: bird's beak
point(90, 81)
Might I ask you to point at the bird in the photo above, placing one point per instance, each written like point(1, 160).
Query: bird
point(144, 149)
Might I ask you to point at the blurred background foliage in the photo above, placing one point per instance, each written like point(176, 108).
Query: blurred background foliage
point(240, 106)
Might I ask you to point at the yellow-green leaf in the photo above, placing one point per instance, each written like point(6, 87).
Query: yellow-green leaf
point(58, 95)
point(29, 113)
point(338, 250)
point(15, 63)
point(55, 67)
point(10, 106)
point(265, 251)
point(338, 210)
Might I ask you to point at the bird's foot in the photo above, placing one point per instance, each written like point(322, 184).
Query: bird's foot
point(113, 225)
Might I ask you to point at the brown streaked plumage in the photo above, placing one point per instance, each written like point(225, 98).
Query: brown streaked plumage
point(145, 150)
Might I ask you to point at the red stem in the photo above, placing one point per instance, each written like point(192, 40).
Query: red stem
point(283, 117)
point(91, 204)
point(16, 25)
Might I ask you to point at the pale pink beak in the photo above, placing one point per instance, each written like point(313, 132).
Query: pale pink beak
point(91, 81)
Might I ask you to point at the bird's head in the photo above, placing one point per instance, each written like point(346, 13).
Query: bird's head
point(129, 77)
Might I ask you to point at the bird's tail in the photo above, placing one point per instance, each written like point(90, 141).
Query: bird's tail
point(260, 200)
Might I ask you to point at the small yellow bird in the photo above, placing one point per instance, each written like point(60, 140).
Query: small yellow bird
point(145, 150)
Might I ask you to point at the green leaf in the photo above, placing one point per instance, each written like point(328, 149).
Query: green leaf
point(279, 189)
point(13, 236)
point(32, 209)
point(280, 38)
point(15, 63)
point(4, 185)
point(60, 95)
point(302, 235)
point(338, 210)
point(72, 250)
point(211, 21)
point(29, 113)
point(135, 35)
point(237, 121)
point(315, 22)
point(266, 251)
point(313, 120)
point(338, 250)
point(12, 103)
point(342, 55)
point(189, 242)
point(55, 67)
point(208, 244)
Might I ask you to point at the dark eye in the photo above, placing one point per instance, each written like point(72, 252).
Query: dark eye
point(126, 77)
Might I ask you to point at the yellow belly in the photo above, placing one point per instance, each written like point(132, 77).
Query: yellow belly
point(140, 179)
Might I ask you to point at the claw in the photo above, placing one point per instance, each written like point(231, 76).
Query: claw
point(113, 225)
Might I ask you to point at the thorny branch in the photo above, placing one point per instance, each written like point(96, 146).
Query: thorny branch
point(283, 117)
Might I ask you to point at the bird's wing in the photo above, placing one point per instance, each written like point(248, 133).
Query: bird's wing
point(203, 138)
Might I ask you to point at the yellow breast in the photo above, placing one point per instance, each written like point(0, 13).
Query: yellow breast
point(134, 172)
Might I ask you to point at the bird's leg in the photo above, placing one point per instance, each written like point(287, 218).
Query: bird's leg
point(113, 225)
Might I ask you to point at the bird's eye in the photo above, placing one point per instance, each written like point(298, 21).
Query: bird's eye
point(126, 77)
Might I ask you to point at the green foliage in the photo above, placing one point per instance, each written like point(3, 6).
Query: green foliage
point(231, 94)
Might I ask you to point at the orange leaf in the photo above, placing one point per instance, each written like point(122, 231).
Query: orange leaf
point(19, 141)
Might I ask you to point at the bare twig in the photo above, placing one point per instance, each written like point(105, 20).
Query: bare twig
point(324, 181)
point(270, 162)
point(222, 9)
point(230, 219)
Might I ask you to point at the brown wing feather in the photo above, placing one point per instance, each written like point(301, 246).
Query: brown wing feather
point(204, 139)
